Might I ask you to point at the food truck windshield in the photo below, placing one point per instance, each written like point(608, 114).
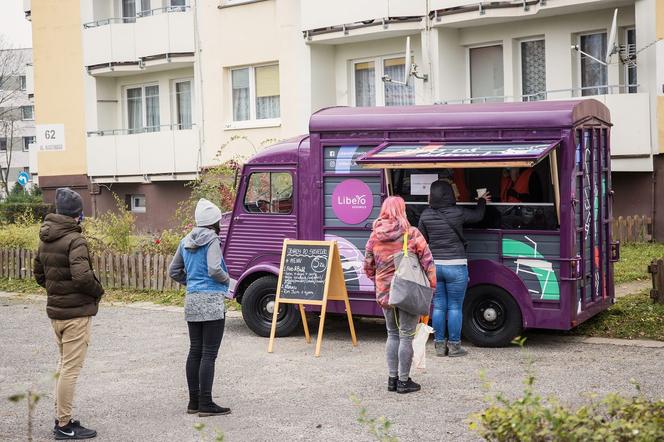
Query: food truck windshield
point(521, 178)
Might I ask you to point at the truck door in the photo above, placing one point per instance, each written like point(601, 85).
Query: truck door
point(265, 214)
point(593, 217)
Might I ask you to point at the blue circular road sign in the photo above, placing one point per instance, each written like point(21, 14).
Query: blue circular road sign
point(23, 179)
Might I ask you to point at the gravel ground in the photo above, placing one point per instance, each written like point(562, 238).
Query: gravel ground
point(133, 388)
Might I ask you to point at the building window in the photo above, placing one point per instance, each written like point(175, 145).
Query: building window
point(365, 83)
point(183, 104)
point(630, 66)
point(137, 203)
point(367, 74)
point(486, 73)
point(3, 144)
point(23, 82)
point(137, 99)
point(593, 74)
point(256, 93)
point(237, 2)
point(533, 70)
point(27, 141)
point(28, 112)
point(269, 193)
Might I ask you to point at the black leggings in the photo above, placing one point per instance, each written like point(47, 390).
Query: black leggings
point(205, 338)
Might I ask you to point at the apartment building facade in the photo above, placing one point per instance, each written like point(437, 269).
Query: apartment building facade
point(173, 86)
point(17, 129)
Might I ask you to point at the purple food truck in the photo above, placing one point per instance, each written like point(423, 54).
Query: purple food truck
point(540, 259)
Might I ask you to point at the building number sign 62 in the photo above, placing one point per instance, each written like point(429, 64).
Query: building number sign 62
point(49, 134)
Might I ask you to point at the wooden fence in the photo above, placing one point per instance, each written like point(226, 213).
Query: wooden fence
point(117, 271)
point(632, 229)
point(656, 269)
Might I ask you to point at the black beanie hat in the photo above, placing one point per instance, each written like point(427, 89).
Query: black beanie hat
point(441, 194)
point(68, 202)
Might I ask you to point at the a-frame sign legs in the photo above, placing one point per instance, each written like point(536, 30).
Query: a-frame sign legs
point(307, 337)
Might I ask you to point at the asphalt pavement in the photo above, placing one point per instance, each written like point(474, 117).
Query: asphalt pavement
point(133, 387)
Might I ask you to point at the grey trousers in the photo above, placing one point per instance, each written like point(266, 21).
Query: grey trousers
point(399, 349)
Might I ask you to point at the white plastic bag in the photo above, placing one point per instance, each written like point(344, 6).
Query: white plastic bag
point(422, 333)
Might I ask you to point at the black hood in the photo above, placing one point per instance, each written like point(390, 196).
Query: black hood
point(441, 195)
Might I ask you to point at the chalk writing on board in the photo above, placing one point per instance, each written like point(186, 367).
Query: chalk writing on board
point(304, 270)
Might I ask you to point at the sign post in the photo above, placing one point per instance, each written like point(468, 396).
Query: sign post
point(310, 274)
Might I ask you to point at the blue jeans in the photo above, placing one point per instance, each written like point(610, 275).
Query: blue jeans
point(448, 301)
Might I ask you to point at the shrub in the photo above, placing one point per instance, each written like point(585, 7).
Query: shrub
point(24, 233)
point(18, 195)
point(111, 231)
point(532, 418)
point(11, 211)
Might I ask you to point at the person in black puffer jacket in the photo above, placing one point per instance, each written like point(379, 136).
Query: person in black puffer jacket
point(442, 225)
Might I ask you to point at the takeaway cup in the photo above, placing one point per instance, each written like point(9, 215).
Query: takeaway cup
point(481, 192)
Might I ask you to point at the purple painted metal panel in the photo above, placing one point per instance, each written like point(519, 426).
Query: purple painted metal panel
point(534, 114)
point(267, 265)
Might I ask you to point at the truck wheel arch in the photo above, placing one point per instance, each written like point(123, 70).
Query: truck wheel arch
point(252, 275)
point(500, 276)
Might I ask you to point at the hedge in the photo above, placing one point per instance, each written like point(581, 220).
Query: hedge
point(11, 212)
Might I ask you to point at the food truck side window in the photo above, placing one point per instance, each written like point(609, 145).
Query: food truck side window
point(269, 192)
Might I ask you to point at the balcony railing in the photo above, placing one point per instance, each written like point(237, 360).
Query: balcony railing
point(141, 130)
point(552, 94)
point(146, 13)
point(118, 153)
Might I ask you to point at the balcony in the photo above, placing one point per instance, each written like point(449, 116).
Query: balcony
point(631, 147)
point(345, 21)
point(116, 156)
point(463, 13)
point(158, 39)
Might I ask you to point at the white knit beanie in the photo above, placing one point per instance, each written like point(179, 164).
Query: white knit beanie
point(206, 213)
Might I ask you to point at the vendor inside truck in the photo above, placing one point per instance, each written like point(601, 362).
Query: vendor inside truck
point(531, 208)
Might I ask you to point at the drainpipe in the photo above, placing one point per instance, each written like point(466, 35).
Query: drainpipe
point(654, 205)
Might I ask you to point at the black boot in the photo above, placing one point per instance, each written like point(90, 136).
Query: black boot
point(407, 386)
point(207, 407)
point(192, 408)
point(392, 383)
point(212, 410)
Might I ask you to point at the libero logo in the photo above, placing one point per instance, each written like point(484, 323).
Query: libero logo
point(352, 201)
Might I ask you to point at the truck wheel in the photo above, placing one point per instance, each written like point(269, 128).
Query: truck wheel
point(491, 317)
point(258, 307)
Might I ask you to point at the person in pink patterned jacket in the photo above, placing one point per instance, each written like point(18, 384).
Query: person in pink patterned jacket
point(385, 242)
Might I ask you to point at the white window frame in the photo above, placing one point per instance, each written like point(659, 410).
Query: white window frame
point(379, 69)
point(174, 102)
point(520, 64)
point(469, 86)
point(144, 114)
point(24, 147)
point(625, 67)
point(252, 122)
point(23, 114)
point(137, 209)
point(579, 75)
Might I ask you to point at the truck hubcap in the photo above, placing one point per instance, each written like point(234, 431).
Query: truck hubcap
point(270, 307)
point(490, 314)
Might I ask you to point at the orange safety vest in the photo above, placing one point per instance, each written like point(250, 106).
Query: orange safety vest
point(521, 186)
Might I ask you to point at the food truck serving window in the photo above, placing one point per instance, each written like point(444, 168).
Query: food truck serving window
point(521, 177)
point(427, 155)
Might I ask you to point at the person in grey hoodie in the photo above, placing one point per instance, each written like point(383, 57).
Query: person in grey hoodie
point(199, 265)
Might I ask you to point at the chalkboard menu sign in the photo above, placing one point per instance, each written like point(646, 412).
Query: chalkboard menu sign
point(304, 271)
point(311, 274)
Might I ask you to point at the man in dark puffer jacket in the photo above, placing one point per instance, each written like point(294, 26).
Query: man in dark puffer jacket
point(442, 226)
point(73, 291)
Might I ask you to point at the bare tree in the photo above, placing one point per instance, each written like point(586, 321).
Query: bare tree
point(12, 71)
